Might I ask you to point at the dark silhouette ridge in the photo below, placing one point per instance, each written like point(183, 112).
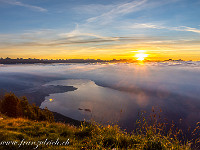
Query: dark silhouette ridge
point(48, 61)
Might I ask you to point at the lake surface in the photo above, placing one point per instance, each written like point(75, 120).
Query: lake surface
point(113, 92)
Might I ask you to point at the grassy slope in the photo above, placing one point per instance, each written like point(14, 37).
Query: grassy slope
point(88, 136)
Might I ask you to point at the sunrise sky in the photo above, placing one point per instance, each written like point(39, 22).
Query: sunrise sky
point(105, 29)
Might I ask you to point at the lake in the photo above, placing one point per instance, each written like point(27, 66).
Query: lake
point(110, 93)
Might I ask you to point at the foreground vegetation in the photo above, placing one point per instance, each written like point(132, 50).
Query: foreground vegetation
point(21, 133)
point(13, 106)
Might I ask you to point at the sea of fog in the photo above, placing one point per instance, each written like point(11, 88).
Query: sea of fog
point(112, 92)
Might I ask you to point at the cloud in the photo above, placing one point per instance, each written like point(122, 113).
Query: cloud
point(109, 13)
point(117, 10)
point(49, 38)
point(17, 3)
point(80, 37)
point(146, 25)
point(77, 33)
point(154, 26)
point(185, 28)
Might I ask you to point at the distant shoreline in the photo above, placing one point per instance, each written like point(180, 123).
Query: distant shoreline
point(31, 86)
point(39, 94)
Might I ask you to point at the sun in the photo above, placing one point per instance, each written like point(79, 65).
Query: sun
point(141, 55)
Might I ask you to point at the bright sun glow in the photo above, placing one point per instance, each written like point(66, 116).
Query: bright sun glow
point(141, 56)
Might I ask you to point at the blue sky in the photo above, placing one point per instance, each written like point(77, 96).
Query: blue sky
point(100, 29)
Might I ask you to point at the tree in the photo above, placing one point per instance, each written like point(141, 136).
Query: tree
point(10, 105)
